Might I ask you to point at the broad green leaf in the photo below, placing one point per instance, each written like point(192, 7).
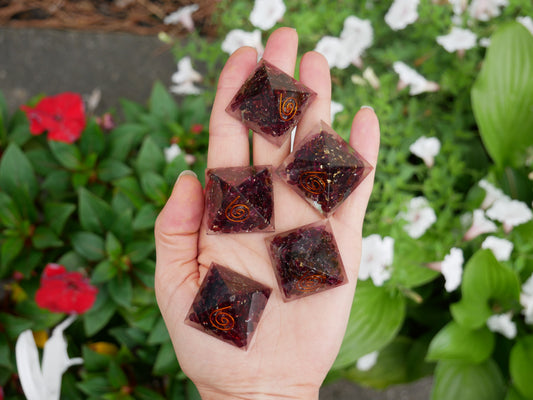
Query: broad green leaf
point(14, 326)
point(88, 245)
point(103, 272)
point(115, 374)
point(143, 393)
point(92, 140)
point(58, 184)
point(454, 342)
point(375, 319)
point(150, 158)
point(95, 214)
point(154, 187)
point(96, 386)
point(57, 215)
point(521, 366)
point(159, 333)
point(93, 361)
point(9, 214)
point(11, 248)
point(124, 138)
point(68, 155)
point(461, 380)
point(139, 251)
point(485, 281)
point(501, 96)
point(145, 218)
point(45, 237)
point(131, 110)
point(165, 362)
point(514, 394)
point(109, 170)
point(100, 314)
point(113, 247)
point(132, 190)
point(120, 290)
point(161, 103)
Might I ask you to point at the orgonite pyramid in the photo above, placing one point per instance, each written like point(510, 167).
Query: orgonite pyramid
point(228, 306)
point(271, 102)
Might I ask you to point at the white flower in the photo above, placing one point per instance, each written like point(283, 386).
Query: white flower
point(527, 22)
point(367, 361)
point(409, 77)
point(371, 77)
point(43, 383)
point(376, 258)
point(266, 13)
point(526, 300)
point(355, 38)
point(503, 324)
point(183, 16)
point(401, 13)
point(484, 42)
point(172, 152)
point(480, 225)
point(493, 193)
point(452, 269)
point(459, 6)
point(510, 212)
point(501, 248)
point(419, 216)
point(238, 38)
point(185, 77)
point(335, 108)
point(457, 39)
point(484, 10)
point(426, 149)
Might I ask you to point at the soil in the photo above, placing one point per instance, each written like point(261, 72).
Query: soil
point(143, 17)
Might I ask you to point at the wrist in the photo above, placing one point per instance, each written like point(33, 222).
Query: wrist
point(297, 393)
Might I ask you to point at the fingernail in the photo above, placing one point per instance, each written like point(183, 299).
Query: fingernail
point(370, 108)
point(187, 172)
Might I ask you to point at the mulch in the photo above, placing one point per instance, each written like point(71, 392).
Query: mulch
point(143, 17)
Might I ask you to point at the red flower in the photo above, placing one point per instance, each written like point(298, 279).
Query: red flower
point(63, 291)
point(63, 116)
point(197, 128)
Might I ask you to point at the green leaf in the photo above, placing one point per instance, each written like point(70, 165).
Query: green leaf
point(93, 361)
point(103, 272)
point(159, 333)
point(521, 366)
point(44, 238)
point(14, 326)
point(514, 394)
point(120, 290)
point(375, 319)
point(161, 103)
point(57, 183)
point(124, 138)
point(88, 245)
point(131, 110)
point(485, 281)
point(113, 247)
point(92, 141)
point(57, 214)
point(117, 377)
point(145, 218)
point(165, 362)
point(139, 251)
point(501, 96)
point(460, 380)
point(9, 214)
point(154, 187)
point(150, 158)
point(131, 189)
point(143, 393)
point(109, 170)
point(100, 314)
point(11, 248)
point(454, 342)
point(68, 155)
point(95, 386)
point(95, 214)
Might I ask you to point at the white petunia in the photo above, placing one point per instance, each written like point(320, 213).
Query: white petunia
point(484, 10)
point(183, 16)
point(44, 382)
point(332, 49)
point(480, 225)
point(266, 13)
point(184, 78)
point(376, 258)
point(367, 361)
point(335, 108)
point(172, 152)
point(502, 248)
point(526, 300)
point(492, 193)
point(510, 213)
point(527, 22)
point(419, 216)
point(502, 323)
point(402, 13)
point(426, 149)
point(238, 38)
point(452, 269)
point(457, 40)
point(409, 77)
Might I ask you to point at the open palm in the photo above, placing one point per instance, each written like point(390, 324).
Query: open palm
point(296, 342)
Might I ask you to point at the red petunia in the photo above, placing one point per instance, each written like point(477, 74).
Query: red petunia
point(63, 116)
point(63, 291)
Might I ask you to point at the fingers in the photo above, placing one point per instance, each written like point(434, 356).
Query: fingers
point(314, 73)
point(364, 138)
point(280, 50)
point(228, 137)
point(176, 238)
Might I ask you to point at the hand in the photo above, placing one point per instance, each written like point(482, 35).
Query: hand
point(296, 342)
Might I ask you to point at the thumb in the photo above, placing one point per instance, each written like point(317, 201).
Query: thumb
point(176, 238)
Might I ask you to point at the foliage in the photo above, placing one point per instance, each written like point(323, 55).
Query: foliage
point(92, 205)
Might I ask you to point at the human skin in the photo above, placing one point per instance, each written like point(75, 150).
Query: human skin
point(296, 342)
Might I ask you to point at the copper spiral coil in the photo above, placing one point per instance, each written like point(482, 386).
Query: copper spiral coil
point(287, 107)
point(310, 282)
point(222, 320)
point(237, 212)
point(314, 182)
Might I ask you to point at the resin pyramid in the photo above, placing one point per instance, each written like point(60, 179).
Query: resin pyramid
point(271, 102)
point(228, 306)
point(239, 199)
point(324, 170)
point(306, 260)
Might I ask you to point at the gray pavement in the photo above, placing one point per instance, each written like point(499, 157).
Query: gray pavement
point(121, 65)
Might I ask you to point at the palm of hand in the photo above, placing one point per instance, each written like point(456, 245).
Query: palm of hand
point(296, 342)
